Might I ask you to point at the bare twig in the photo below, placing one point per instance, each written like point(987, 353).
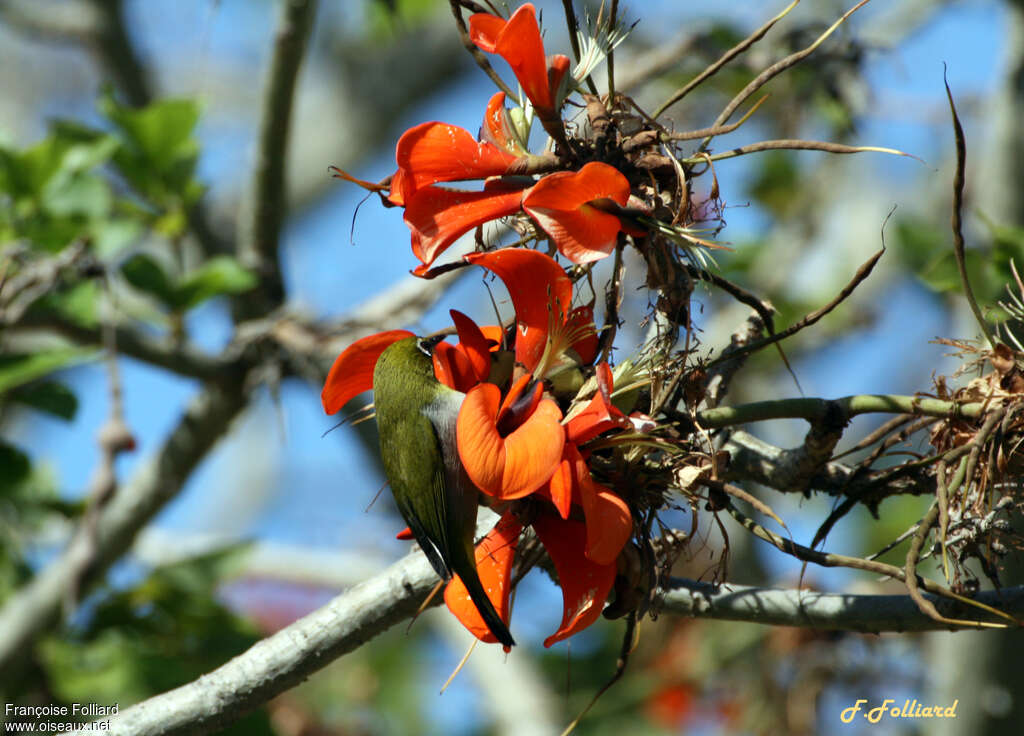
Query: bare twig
point(956, 220)
point(723, 60)
point(791, 144)
point(34, 608)
point(862, 273)
point(780, 66)
point(114, 437)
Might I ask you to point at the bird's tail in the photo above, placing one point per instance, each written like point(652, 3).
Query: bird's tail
point(468, 574)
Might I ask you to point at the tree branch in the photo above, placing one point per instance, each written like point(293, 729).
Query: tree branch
point(36, 607)
point(263, 209)
point(818, 409)
point(286, 658)
point(361, 613)
point(163, 352)
point(812, 609)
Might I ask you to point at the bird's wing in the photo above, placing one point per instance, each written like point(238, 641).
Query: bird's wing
point(419, 485)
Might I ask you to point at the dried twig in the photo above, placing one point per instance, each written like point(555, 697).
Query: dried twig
point(862, 273)
point(728, 56)
point(956, 220)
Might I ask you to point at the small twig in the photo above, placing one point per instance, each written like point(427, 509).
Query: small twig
point(956, 220)
point(613, 18)
point(862, 273)
point(826, 559)
point(689, 135)
point(795, 145)
point(779, 67)
point(113, 438)
point(763, 308)
point(628, 644)
point(728, 56)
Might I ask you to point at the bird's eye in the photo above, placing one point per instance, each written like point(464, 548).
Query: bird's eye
point(425, 347)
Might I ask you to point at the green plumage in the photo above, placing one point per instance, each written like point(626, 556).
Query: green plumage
point(416, 417)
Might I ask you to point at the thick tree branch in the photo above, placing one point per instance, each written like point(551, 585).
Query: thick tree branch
point(361, 613)
point(36, 607)
point(286, 658)
point(264, 208)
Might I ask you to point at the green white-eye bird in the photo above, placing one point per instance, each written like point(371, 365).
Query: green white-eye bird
point(416, 417)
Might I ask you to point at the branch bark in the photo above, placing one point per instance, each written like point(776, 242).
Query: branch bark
point(264, 208)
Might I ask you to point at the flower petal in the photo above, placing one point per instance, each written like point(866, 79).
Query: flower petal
point(513, 466)
point(437, 217)
point(585, 584)
point(609, 522)
point(519, 43)
point(600, 415)
point(608, 519)
point(473, 343)
point(352, 372)
point(538, 286)
point(453, 368)
point(497, 128)
point(494, 556)
point(561, 484)
point(586, 346)
point(434, 152)
point(559, 204)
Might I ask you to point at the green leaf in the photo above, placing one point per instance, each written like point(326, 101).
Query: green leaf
point(14, 466)
point(144, 273)
point(160, 151)
point(111, 235)
point(78, 303)
point(52, 397)
point(219, 275)
point(16, 370)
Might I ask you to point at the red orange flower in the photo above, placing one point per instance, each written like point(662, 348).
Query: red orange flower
point(514, 443)
point(519, 43)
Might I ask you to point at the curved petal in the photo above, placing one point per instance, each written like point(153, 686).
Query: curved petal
point(560, 486)
point(497, 128)
point(519, 43)
point(586, 346)
point(585, 584)
point(433, 152)
point(608, 519)
point(352, 372)
point(473, 344)
point(453, 368)
point(437, 217)
point(559, 204)
point(494, 556)
point(600, 415)
point(541, 294)
point(609, 522)
point(513, 466)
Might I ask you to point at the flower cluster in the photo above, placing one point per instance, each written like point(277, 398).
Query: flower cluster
point(514, 441)
point(580, 210)
point(522, 442)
